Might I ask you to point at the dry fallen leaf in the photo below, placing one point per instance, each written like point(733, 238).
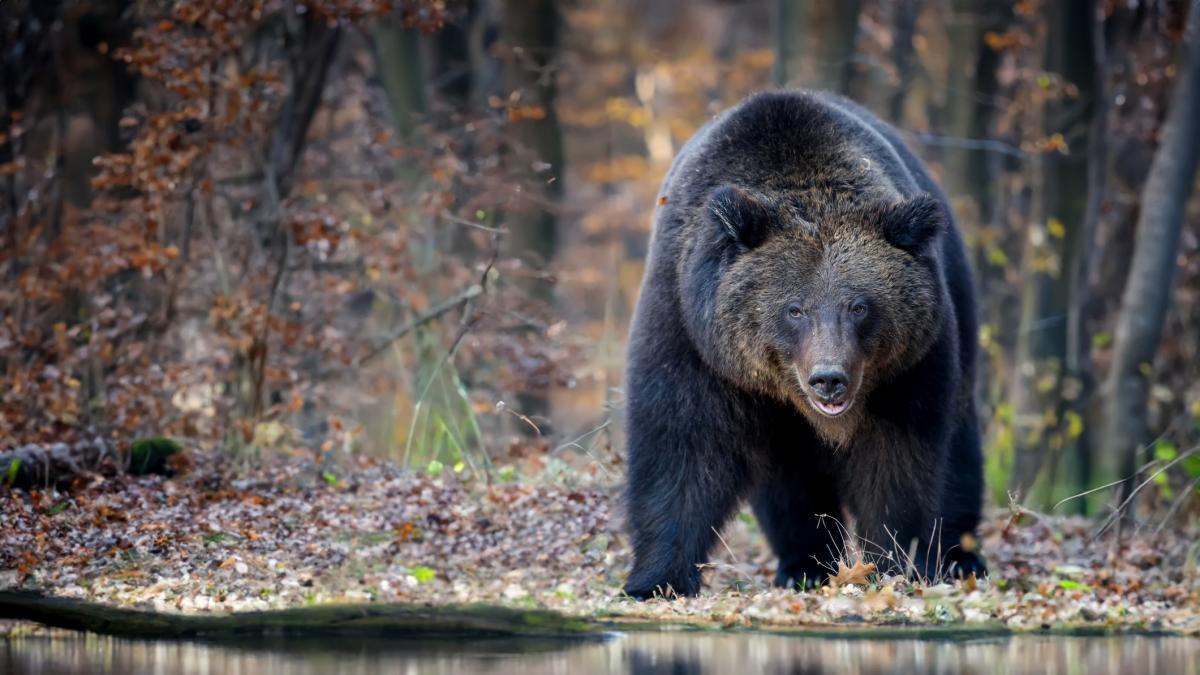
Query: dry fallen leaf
point(878, 600)
point(857, 574)
point(970, 583)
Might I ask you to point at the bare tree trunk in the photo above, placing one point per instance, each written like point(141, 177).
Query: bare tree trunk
point(310, 48)
point(453, 76)
point(966, 35)
point(530, 30)
point(973, 84)
point(982, 173)
point(309, 58)
point(398, 57)
point(449, 58)
point(1148, 293)
point(1051, 253)
point(815, 43)
point(1079, 383)
point(904, 27)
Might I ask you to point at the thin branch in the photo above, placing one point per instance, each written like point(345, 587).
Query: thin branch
point(981, 144)
point(1134, 493)
point(1087, 492)
point(1178, 502)
point(454, 302)
point(524, 418)
point(463, 221)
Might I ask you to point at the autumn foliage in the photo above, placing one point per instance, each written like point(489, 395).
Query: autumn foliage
point(213, 282)
point(417, 227)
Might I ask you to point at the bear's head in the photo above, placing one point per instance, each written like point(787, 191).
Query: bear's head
point(815, 305)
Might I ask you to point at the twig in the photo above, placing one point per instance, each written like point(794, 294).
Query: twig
point(454, 302)
point(463, 221)
point(1175, 506)
point(587, 450)
point(524, 418)
point(575, 443)
point(1134, 493)
point(733, 566)
point(981, 144)
point(1087, 492)
point(468, 320)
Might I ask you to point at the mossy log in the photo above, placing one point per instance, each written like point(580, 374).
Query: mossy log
point(57, 464)
point(359, 621)
point(465, 623)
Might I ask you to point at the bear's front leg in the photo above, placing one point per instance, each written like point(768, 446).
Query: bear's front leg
point(894, 499)
point(687, 471)
point(675, 512)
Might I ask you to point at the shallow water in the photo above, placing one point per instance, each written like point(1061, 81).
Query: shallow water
point(684, 653)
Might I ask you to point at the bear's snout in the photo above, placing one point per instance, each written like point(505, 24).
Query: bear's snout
point(829, 383)
point(829, 390)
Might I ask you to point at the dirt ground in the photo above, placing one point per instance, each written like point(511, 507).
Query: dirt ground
point(217, 540)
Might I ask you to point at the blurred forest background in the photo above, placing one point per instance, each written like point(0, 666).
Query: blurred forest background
point(416, 229)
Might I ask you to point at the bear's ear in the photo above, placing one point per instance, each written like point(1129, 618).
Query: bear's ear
point(914, 222)
point(745, 218)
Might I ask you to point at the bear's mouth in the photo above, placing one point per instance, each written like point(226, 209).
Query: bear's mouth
point(830, 409)
point(827, 408)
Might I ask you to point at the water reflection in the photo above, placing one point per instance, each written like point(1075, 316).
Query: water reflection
point(640, 653)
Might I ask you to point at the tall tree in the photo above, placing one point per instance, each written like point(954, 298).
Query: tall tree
point(449, 57)
point(973, 86)
point(309, 49)
point(1079, 382)
point(398, 57)
point(904, 27)
point(1052, 249)
point(68, 96)
point(966, 36)
point(530, 30)
point(815, 43)
point(1147, 294)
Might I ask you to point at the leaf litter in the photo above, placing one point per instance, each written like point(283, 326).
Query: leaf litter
point(214, 540)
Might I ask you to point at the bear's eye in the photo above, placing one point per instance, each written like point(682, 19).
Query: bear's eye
point(858, 308)
point(794, 311)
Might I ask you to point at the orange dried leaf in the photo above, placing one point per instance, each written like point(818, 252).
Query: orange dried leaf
point(856, 574)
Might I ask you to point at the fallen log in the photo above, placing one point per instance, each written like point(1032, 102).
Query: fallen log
point(57, 464)
point(472, 622)
point(458, 622)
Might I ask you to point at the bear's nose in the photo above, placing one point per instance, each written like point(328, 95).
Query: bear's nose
point(828, 383)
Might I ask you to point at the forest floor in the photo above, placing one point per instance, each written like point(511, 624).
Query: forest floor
point(216, 540)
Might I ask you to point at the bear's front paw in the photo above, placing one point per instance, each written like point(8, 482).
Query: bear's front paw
point(801, 578)
point(646, 592)
point(646, 586)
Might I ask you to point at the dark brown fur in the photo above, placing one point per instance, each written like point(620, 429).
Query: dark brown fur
point(798, 235)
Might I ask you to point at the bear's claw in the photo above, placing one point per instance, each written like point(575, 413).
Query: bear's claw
point(963, 564)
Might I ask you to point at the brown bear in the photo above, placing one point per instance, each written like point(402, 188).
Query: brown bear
point(805, 338)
